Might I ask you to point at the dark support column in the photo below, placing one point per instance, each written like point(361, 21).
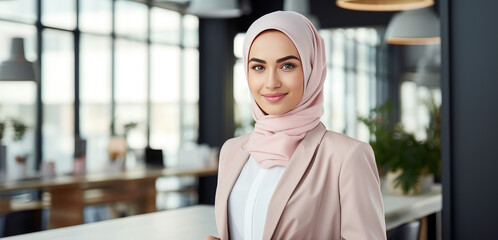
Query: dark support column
point(446, 176)
point(216, 123)
point(77, 34)
point(39, 104)
point(469, 119)
point(394, 79)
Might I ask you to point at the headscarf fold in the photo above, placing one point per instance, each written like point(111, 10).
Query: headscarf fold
point(276, 137)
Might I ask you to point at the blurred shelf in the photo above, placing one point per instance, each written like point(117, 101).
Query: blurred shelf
point(8, 205)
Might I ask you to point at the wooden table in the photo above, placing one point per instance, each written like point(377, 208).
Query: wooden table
point(68, 195)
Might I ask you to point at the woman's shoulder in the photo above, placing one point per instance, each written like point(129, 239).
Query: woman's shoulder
point(231, 145)
point(340, 138)
point(236, 141)
point(341, 142)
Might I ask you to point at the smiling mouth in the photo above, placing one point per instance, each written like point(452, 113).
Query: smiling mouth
point(274, 97)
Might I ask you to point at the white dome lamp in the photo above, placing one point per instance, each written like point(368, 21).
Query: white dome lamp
point(215, 8)
point(303, 7)
point(414, 27)
point(16, 67)
point(383, 5)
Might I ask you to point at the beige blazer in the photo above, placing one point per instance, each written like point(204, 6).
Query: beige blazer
point(329, 190)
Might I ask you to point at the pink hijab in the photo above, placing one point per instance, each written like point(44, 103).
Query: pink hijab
point(276, 137)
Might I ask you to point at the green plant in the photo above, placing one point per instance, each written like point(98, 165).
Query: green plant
point(18, 127)
point(129, 126)
point(395, 149)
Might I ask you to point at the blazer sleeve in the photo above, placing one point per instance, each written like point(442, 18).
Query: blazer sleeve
point(362, 210)
point(220, 209)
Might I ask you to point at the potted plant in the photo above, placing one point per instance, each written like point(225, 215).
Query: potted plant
point(19, 129)
point(399, 155)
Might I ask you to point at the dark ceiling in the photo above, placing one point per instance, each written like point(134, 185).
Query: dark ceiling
point(329, 14)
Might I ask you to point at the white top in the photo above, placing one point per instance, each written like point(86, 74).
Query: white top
point(249, 199)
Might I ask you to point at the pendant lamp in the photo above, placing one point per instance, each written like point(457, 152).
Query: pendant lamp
point(414, 27)
point(16, 67)
point(383, 5)
point(303, 7)
point(215, 8)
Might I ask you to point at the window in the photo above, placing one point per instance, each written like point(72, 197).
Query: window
point(59, 13)
point(96, 16)
point(165, 97)
point(353, 73)
point(58, 98)
point(131, 19)
point(95, 97)
point(20, 10)
point(131, 91)
point(165, 26)
point(190, 85)
point(416, 101)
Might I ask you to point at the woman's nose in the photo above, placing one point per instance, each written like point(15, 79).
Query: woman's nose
point(273, 81)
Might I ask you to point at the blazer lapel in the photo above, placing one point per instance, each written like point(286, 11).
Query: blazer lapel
point(234, 162)
point(291, 177)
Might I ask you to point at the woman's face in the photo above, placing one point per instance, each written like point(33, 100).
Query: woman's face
point(275, 73)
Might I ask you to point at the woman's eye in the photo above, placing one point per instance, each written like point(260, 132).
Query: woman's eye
point(288, 66)
point(258, 68)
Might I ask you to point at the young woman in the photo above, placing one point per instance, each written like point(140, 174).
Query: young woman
point(291, 178)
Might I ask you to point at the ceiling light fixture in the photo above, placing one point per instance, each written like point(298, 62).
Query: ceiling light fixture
point(383, 5)
point(414, 27)
point(16, 67)
point(215, 8)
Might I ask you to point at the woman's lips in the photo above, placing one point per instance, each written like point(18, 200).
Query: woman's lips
point(274, 97)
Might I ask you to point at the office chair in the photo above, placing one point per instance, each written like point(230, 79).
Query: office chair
point(407, 231)
point(22, 222)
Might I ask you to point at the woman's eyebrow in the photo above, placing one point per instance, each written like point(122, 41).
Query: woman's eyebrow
point(278, 60)
point(257, 60)
point(287, 58)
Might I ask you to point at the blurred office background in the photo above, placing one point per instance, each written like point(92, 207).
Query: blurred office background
point(162, 78)
point(105, 64)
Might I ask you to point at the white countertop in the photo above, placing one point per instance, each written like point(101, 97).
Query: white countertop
point(402, 209)
point(193, 223)
point(197, 222)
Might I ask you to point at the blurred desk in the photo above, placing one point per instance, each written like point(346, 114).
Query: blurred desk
point(403, 209)
point(69, 194)
point(190, 223)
